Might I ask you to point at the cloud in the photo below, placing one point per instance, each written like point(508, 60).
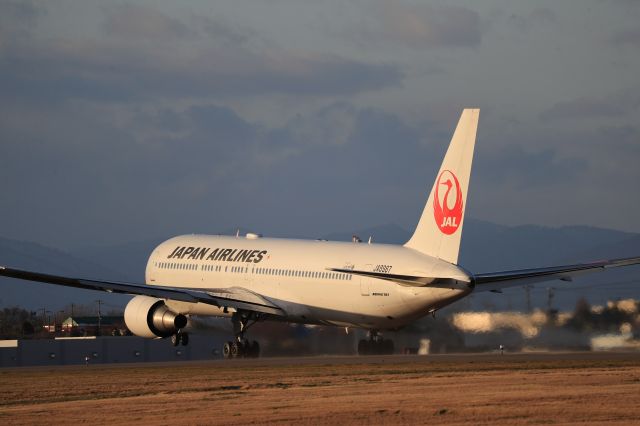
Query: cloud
point(134, 22)
point(630, 37)
point(537, 18)
point(422, 26)
point(17, 19)
point(139, 23)
point(615, 105)
point(202, 169)
point(119, 69)
point(221, 31)
point(515, 167)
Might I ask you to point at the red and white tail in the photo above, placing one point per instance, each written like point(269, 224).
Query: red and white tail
point(439, 230)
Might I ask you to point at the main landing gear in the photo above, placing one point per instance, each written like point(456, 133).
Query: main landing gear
point(375, 345)
point(241, 347)
point(181, 337)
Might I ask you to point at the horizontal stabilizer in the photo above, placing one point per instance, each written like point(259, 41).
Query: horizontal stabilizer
point(496, 281)
point(406, 280)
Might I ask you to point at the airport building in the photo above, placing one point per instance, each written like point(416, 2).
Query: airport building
point(104, 350)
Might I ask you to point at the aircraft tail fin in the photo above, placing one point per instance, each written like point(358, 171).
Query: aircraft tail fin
point(439, 230)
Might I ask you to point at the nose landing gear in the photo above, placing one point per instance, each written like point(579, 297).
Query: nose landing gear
point(181, 337)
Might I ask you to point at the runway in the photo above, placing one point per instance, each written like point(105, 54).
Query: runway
point(568, 387)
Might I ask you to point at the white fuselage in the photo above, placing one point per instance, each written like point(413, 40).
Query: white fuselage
point(295, 275)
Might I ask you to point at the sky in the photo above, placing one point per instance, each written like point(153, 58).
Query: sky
point(124, 121)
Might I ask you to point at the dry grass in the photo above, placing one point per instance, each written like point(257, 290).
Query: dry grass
point(485, 392)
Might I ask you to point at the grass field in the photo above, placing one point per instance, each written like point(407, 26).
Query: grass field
point(388, 390)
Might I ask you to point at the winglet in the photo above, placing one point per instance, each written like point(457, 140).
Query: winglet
point(439, 230)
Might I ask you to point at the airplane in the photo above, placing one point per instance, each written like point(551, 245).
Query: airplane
point(376, 287)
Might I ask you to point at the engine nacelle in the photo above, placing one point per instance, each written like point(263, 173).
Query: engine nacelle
point(149, 317)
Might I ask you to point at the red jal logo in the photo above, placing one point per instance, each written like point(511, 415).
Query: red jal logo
point(448, 219)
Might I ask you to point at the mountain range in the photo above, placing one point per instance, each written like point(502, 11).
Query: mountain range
point(485, 247)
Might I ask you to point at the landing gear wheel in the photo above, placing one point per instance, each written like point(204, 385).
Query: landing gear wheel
point(226, 350)
point(375, 345)
point(175, 339)
point(241, 347)
point(236, 350)
point(184, 339)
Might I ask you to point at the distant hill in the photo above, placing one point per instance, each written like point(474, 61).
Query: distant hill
point(490, 247)
point(385, 234)
point(485, 247)
point(130, 259)
point(35, 296)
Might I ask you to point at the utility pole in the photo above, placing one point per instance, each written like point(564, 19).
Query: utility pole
point(49, 321)
point(527, 289)
point(550, 295)
point(44, 317)
point(99, 302)
point(61, 319)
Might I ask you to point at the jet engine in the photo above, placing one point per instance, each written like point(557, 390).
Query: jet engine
point(149, 317)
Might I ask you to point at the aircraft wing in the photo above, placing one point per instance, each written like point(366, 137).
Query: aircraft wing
point(237, 298)
point(496, 281)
